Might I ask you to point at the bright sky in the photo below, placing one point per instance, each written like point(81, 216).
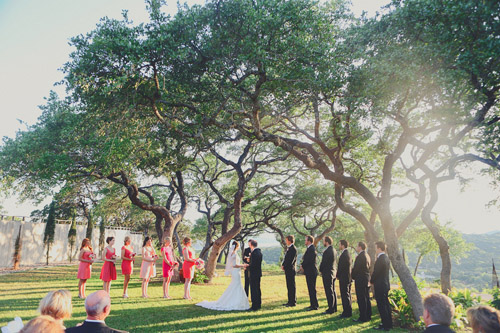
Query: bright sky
point(34, 39)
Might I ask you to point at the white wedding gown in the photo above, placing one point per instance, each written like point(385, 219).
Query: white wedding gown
point(234, 297)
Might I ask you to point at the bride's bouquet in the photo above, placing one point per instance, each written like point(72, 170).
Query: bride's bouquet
point(199, 263)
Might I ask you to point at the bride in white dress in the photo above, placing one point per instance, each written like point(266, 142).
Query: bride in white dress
point(234, 297)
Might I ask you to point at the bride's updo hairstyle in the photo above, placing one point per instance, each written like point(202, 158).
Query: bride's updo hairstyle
point(236, 245)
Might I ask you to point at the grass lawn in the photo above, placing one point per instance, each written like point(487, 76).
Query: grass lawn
point(21, 292)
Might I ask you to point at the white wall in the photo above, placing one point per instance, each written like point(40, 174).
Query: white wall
point(33, 249)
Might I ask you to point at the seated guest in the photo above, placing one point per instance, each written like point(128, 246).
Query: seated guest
point(98, 306)
point(438, 313)
point(43, 324)
point(56, 304)
point(484, 319)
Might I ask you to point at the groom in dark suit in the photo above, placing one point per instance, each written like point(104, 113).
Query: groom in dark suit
point(311, 272)
point(328, 271)
point(288, 266)
point(246, 272)
point(255, 268)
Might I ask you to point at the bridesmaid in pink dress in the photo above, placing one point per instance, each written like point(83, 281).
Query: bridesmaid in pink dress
point(108, 271)
point(128, 255)
point(168, 265)
point(86, 258)
point(188, 267)
point(148, 267)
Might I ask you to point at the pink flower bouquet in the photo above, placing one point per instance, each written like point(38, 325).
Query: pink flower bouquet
point(199, 263)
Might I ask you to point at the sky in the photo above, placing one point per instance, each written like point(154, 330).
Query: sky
point(34, 38)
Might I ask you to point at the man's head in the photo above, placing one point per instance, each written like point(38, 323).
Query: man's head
point(98, 305)
point(327, 241)
point(380, 247)
point(253, 244)
point(343, 244)
point(361, 247)
point(309, 240)
point(249, 241)
point(290, 239)
point(438, 309)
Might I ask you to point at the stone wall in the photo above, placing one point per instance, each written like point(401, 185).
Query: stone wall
point(33, 249)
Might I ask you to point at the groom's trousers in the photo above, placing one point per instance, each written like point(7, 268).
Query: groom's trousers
point(247, 281)
point(290, 286)
point(311, 287)
point(255, 292)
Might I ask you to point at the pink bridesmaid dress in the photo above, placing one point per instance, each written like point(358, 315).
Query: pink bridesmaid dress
point(85, 268)
point(167, 269)
point(127, 265)
point(187, 266)
point(108, 271)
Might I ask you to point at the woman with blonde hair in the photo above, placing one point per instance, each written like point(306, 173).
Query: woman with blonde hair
point(188, 267)
point(128, 255)
point(86, 258)
point(484, 319)
point(168, 265)
point(56, 304)
point(148, 267)
point(42, 324)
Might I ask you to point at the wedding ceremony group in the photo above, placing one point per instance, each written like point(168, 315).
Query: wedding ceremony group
point(250, 166)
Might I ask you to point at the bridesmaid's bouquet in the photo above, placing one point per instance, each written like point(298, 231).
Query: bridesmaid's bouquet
point(132, 256)
point(199, 263)
point(92, 256)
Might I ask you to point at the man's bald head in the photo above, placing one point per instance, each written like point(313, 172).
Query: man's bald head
point(98, 305)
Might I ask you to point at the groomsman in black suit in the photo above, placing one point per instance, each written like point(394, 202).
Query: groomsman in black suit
point(311, 272)
point(361, 276)
point(246, 260)
point(344, 277)
point(255, 267)
point(288, 266)
point(328, 272)
point(380, 282)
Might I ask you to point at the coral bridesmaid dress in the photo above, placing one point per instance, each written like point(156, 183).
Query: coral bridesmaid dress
point(148, 269)
point(85, 268)
point(167, 269)
point(187, 266)
point(108, 271)
point(127, 265)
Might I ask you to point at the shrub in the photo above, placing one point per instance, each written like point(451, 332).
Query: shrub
point(495, 302)
point(465, 298)
point(401, 308)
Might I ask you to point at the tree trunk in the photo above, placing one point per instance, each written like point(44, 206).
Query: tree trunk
point(179, 244)
point(444, 249)
point(18, 246)
point(47, 254)
point(158, 226)
point(417, 264)
point(226, 237)
point(407, 281)
point(90, 226)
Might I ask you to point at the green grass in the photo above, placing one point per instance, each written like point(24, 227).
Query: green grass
point(21, 292)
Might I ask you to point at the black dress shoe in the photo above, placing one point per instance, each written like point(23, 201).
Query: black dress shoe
point(290, 305)
point(328, 312)
point(311, 309)
point(285, 304)
point(344, 316)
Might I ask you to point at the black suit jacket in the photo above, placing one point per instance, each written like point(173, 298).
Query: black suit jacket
point(290, 258)
point(327, 265)
point(380, 275)
point(89, 327)
point(438, 329)
point(246, 253)
point(344, 267)
point(255, 265)
point(309, 261)
point(361, 269)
